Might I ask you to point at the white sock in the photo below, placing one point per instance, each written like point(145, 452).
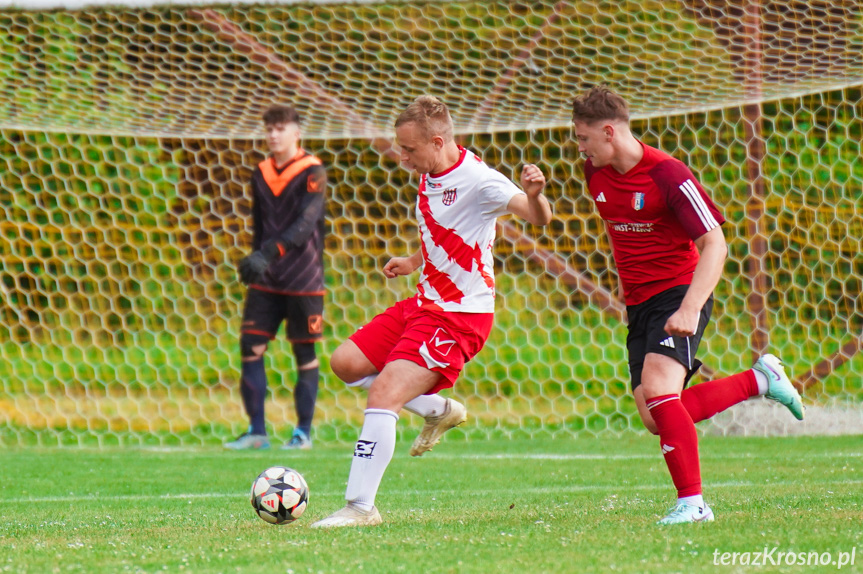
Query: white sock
point(427, 405)
point(696, 500)
point(423, 405)
point(364, 383)
point(372, 455)
point(761, 379)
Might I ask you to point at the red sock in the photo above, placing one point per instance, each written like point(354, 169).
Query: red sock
point(705, 400)
point(679, 443)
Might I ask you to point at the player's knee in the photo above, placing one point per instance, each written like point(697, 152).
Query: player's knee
point(656, 387)
point(305, 354)
point(340, 363)
point(349, 364)
point(252, 347)
point(643, 411)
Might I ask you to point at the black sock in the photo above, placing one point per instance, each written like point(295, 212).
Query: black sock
point(253, 388)
point(305, 395)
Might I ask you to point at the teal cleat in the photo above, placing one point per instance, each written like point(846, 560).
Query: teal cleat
point(299, 441)
point(683, 513)
point(249, 441)
point(779, 387)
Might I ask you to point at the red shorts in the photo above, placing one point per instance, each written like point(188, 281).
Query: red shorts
point(436, 340)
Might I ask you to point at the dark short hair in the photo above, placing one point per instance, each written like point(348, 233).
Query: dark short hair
point(599, 103)
point(281, 115)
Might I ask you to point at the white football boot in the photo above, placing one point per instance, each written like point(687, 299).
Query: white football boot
point(454, 414)
point(779, 387)
point(683, 513)
point(350, 515)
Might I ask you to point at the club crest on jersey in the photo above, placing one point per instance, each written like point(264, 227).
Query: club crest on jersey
point(637, 201)
point(449, 196)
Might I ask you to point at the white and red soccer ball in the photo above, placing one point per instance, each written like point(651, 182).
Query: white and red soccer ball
point(280, 495)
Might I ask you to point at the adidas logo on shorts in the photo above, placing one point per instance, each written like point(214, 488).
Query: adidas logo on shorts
point(669, 342)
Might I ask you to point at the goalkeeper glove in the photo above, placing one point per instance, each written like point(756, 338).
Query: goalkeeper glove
point(253, 267)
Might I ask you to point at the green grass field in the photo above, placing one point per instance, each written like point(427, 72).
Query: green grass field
point(564, 505)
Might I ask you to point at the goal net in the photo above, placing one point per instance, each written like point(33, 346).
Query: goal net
point(127, 136)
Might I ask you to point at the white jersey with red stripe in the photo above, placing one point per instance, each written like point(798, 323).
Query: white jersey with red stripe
point(457, 211)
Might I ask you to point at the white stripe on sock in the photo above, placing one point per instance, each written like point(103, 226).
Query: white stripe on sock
point(656, 404)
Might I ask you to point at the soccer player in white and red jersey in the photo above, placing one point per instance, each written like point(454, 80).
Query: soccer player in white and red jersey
point(419, 346)
point(668, 245)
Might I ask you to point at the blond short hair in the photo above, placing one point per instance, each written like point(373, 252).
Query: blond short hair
point(431, 115)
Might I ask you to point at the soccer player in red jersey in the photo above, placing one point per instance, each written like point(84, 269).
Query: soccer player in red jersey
point(285, 275)
point(669, 249)
point(418, 347)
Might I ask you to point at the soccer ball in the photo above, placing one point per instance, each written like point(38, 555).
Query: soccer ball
point(280, 495)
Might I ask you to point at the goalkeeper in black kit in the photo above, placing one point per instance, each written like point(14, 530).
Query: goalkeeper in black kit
point(285, 275)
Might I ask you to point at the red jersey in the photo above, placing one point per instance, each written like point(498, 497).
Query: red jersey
point(652, 213)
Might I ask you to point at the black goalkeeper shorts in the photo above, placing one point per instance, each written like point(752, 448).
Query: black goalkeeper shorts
point(265, 311)
point(647, 332)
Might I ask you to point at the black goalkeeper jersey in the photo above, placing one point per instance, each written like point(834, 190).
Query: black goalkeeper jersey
point(288, 207)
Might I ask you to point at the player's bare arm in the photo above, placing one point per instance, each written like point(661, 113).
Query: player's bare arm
point(403, 265)
point(713, 248)
point(532, 206)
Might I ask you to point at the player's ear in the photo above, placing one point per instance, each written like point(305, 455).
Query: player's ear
point(608, 129)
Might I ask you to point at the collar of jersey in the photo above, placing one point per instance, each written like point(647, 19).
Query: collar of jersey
point(280, 168)
point(455, 165)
